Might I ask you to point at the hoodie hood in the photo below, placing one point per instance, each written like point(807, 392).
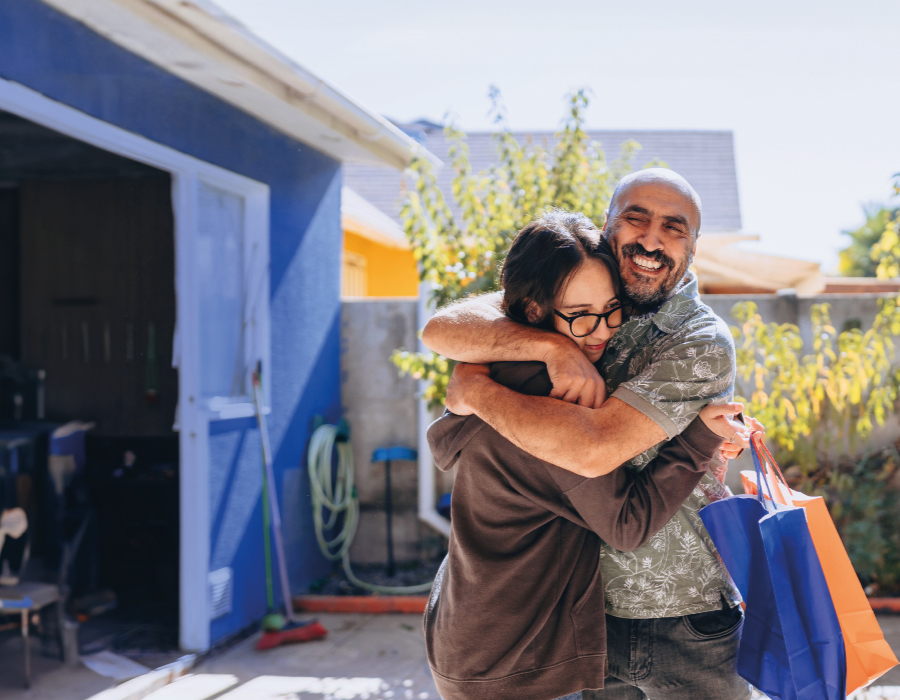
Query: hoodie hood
point(450, 433)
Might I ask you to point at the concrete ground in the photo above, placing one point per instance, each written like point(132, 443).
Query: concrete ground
point(379, 657)
point(890, 625)
point(389, 648)
point(50, 678)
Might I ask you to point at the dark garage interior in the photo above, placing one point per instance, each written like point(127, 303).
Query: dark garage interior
point(87, 389)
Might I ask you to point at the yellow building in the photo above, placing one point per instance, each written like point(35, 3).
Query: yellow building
point(377, 259)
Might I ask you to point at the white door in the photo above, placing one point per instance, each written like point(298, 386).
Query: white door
point(223, 332)
point(222, 289)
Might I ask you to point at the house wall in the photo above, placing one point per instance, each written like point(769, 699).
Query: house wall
point(391, 272)
point(62, 59)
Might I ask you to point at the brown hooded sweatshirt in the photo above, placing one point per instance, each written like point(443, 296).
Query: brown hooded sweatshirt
point(517, 609)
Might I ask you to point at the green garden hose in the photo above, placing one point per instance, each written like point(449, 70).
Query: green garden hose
point(336, 495)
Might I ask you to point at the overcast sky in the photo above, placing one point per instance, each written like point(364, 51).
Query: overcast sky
point(811, 90)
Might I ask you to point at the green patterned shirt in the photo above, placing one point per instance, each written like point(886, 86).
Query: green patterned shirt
point(668, 366)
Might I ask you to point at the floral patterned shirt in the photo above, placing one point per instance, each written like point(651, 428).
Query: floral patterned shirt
point(668, 365)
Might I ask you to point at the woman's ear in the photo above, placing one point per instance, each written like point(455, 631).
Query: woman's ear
point(533, 313)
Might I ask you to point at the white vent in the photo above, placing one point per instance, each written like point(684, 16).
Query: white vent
point(220, 592)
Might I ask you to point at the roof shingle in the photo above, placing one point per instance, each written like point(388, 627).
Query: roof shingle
point(704, 158)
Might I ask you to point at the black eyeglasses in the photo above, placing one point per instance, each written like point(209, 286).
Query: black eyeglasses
point(585, 324)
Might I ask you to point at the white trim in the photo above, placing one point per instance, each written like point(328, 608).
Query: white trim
point(428, 513)
point(201, 44)
point(193, 420)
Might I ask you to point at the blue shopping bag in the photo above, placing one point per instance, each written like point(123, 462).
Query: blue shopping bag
point(791, 644)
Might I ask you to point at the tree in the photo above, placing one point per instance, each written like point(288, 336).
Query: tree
point(461, 246)
point(856, 259)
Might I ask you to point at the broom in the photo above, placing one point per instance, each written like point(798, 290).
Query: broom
point(277, 629)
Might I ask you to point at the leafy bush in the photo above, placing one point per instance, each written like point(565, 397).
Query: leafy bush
point(820, 408)
point(864, 500)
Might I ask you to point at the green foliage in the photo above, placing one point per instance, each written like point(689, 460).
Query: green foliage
point(859, 259)
point(886, 252)
point(827, 400)
point(825, 404)
point(460, 250)
point(864, 500)
point(461, 246)
point(431, 367)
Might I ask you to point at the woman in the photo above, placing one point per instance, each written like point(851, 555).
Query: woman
point(517, 609)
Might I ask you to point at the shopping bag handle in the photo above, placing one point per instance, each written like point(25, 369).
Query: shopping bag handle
point(761, 480)
point(769, 461)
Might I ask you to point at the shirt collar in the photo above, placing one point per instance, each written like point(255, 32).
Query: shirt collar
point(680, 304)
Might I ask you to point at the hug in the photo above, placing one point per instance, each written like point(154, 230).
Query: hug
point(589, 421)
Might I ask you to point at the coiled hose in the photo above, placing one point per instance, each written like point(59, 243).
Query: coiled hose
point(334, 493)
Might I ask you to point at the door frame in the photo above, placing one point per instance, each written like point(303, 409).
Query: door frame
point(193, 417)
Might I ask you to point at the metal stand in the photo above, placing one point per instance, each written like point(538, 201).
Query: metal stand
point(386, 455)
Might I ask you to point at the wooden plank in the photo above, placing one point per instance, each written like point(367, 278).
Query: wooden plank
point(374, 604)
point(278, 687)
point(195, 687)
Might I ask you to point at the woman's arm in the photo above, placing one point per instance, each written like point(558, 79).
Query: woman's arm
point(626, 508)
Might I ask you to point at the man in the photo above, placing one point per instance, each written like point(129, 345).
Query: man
point(673, 619)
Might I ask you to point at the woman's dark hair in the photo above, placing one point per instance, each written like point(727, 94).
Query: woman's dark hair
point(543, 256)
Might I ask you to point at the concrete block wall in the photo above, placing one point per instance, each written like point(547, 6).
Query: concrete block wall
point(791, 308)
point(382, 410)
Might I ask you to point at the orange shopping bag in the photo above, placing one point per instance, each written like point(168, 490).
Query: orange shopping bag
point(868, 654)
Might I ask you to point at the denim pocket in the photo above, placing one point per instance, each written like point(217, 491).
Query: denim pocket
point(714, 624)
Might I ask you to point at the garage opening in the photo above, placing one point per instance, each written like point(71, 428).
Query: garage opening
point(87, 390)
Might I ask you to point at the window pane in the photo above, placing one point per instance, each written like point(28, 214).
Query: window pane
point(220, 262)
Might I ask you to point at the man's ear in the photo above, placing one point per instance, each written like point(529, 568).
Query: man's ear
point(533, 313)
point(605, 221)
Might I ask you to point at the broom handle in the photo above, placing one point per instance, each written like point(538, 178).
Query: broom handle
point(273, 500)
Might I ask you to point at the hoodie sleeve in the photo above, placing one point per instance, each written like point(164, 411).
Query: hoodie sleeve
point(626, 508)
point(449, 434)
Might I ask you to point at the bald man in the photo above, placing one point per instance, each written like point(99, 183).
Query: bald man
point(673, 615)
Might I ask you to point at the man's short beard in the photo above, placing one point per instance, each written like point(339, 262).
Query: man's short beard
point(643, 294)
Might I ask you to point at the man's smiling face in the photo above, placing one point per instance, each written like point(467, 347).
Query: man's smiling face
point(653, 230)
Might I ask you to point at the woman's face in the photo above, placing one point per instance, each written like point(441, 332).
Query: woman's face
point(589, 290)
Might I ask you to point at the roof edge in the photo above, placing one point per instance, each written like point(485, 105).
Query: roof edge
point(202, 44)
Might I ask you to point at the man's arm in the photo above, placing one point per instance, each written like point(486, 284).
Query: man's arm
point(476, 330)
point(589, 442)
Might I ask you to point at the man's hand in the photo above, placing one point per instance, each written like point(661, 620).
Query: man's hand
point(573, 376)
point(465, 380)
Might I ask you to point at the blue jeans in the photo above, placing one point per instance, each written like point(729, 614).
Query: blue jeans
point(673, 658)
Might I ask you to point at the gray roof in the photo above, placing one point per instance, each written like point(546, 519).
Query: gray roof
point(704, 158)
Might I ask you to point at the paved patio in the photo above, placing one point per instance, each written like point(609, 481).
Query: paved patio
point(371, 657)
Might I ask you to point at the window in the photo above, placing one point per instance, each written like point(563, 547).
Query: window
point(354, 280)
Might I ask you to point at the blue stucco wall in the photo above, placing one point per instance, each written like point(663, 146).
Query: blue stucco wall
point(62, 59)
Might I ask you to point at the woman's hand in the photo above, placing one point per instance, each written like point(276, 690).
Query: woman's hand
point(756, 428)
point(463, 382)
point(719, 418)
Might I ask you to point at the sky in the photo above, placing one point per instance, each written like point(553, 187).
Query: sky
point(811, 90)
